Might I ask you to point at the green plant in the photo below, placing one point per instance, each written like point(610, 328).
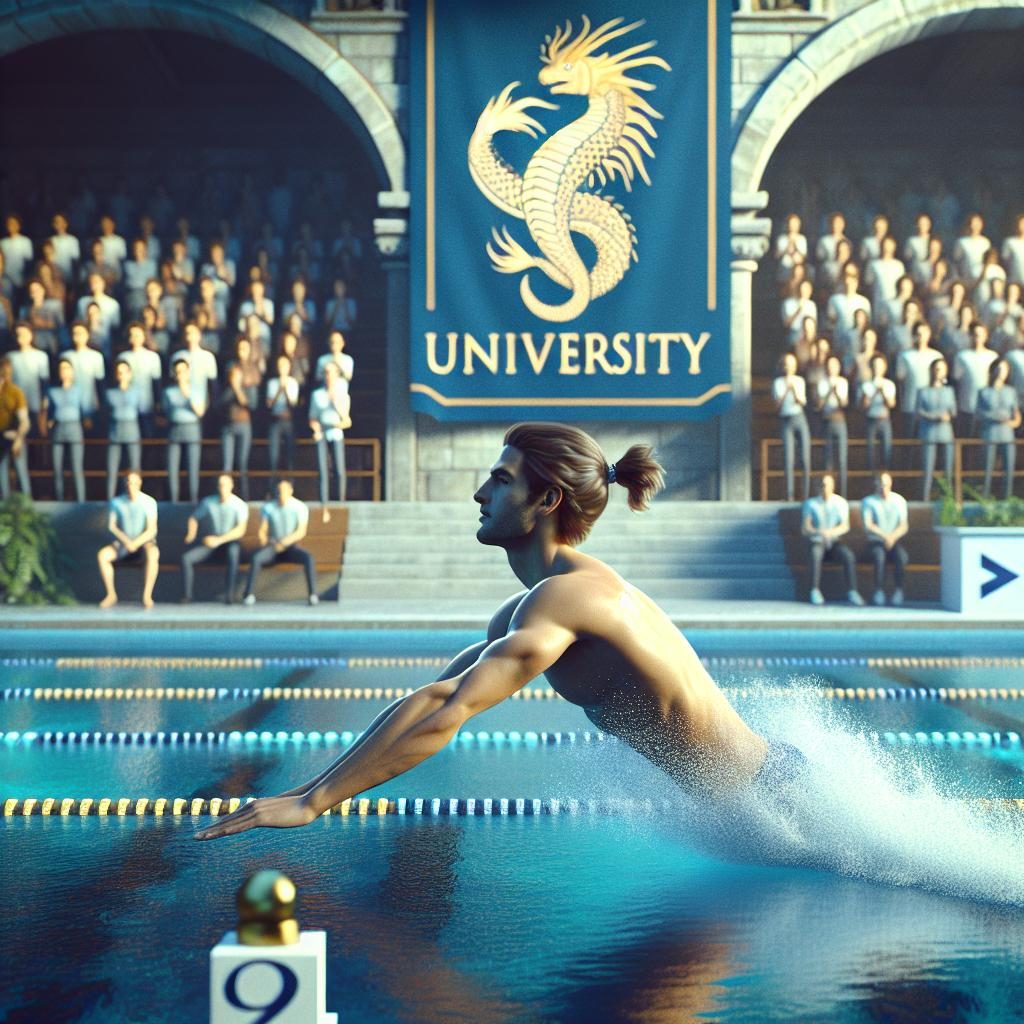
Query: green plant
point(31, 565)
point(982, 511)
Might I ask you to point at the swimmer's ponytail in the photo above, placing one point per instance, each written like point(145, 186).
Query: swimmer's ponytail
point(641, 474)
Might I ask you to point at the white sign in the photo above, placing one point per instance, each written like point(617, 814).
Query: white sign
point(983, 571)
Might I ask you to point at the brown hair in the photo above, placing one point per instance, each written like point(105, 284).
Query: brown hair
point(559, 455)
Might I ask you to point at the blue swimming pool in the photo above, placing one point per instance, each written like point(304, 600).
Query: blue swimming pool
point(591, 891)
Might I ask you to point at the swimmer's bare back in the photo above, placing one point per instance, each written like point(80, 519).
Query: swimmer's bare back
point(601, 643)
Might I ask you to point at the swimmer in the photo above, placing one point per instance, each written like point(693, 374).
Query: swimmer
point(601, 643)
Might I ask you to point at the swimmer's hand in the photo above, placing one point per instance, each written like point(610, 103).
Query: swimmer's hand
point(268, 812)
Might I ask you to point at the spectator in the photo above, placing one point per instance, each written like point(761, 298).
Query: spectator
point(956, 335)
point(211, 314)
point(940, 279)
point(918, 251)
point(224, 517)
point(913, 372)
point(30, 369)
point(236, 426)
point(329, 417)
point(110, 311)
point(827, 244)
point(969, 251)
point(305, 239)
point(146, 233)
point(271, 242)
point(1012, 327)
point(336, 354)
point(14, 427)
point(791, 247)
point(227, 238)
point(17, 251)
point(174, 295)
point(1013, 253)
point(115, 252)
point(789, 392)
point(66, 250)
point(221, 271)
point(202, 364)
point(254, 366)
point(97, 264)
point(886, 523)
point(877, 400)
point(147, 372)
point(816, 369)
point(872, 248)
point(89, 368)
point(347, 251)
point(990, 271)
point(882, 276)
point(841, 309)
point(993, 312)
point(50, 275)
point(283, 525)
point(796, 309)
point(185, 408)
point(166, 315)
point(263, 269)
point(833, 398)
point(832, 270)
point(898, 315)
point(824, 520)
point(935, 409)
point(189, 242)
point(123, 430)
point(181, 267)
point(341, 312)
point(260, 306)
point(290, 346)
point(999, 417)
point(63, 417)
point(861, 369)
point(133, 522)
point(970, 372)
point(301, 305)
point(802, 348)
point(45, 316)
point(138, 271)
point(282, 398)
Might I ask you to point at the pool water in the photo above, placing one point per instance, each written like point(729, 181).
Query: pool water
point(645, 914)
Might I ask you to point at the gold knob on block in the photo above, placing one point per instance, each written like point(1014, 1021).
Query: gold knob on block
point(266, 910)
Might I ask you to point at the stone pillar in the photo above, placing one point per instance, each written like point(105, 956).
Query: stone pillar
point(391, 236)
point(750, 238)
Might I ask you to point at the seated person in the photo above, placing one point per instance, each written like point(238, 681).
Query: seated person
point(823, 521)
point(133, 523)
point(283, 525)
point(886, 523)
point(225, 517)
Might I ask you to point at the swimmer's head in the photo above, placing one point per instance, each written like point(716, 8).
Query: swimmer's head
point(556, 470)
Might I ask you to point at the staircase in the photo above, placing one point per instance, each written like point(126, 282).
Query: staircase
point(678, 550)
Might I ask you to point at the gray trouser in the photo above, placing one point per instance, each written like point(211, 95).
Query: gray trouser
point(267, 555)
point(239, 434)
point(200, 553)
point(20, 467)
point(114, 448)
point(77, 450)
point(795, 428)
point(193, 449)
point(337, 453)
point(929, 465)
point(281, 431)
point(836, 553)
point(897, 554)
point(836, 448)
point(879, 430)
point(1009, 461)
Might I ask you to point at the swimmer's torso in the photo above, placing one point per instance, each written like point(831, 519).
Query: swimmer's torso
point(636, 677)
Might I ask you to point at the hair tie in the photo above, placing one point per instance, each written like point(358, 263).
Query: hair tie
point(610, 472)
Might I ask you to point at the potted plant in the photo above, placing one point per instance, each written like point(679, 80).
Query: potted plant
point(982, 547)
point(30, 560)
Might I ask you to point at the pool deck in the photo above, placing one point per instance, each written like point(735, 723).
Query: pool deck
point(454, 614)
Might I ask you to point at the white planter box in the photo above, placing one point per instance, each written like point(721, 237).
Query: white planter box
point(983, 570)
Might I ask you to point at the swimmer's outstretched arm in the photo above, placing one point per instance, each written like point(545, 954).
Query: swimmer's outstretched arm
point(415, 728)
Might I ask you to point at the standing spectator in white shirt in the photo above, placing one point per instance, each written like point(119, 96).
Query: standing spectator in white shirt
point(336, 354)
point(282, 400)
point(45, 315)
point(886, 523)
point(796, 309)
point(110, 310)
point(31, 369)
point(89, 368)
point(17, 250)
point(1013, 253)
point(841, 309)
point(66, 250)
point(969, 251)
point(258, 305)
point(115, 251)
point(877, 400)
point(825, 250)
point(882, 276)
point(871, 248)
point(917, 251)
point(823, 521)
point(330, 409)
point(913, 372)
point(970, 373)
point(790, 248)
point(147, 372)
point(789, 392)
point(833, 398)
point(139, 270)
point(202, 364)
point(341, 312)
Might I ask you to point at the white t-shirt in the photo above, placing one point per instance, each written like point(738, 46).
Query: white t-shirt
point(885, 513)
point(31, 372)
point(89, 371)
point(1013, 258)
point(790, 405)
point(881, 394)
point(913, 372)
point(833, 393)
point(114, 249)
point(969, 255)
point(146, 371)
point(17, 253)
point(970, 371)
point(344, 362)
point(66, 252)
point(203, 366)
point(803, 308)
point(882, 275)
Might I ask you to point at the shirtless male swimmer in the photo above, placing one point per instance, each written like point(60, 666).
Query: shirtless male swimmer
point(601, 643)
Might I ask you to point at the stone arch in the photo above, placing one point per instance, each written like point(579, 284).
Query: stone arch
point(848, 42)
point(249, 25)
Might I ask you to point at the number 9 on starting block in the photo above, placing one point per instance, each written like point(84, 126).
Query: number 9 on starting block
point(281, 984)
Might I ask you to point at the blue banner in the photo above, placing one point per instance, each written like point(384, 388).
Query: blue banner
point(570, 215)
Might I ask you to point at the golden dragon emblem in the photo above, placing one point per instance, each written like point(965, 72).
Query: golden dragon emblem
point(605, 141)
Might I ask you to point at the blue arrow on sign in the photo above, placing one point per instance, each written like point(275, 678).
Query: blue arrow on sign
point(1000, 576)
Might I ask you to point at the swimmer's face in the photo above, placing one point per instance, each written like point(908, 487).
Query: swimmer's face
point(507, 515)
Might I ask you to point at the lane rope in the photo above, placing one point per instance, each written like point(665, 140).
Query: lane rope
point(137, 807)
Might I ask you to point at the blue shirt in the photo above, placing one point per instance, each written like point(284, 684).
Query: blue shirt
point(885, 513)
point(826, 516)
point(123, 404)
point(65, 404)
point(323, 411)
point(283, 520)
point(178, 407)
point(222, 515)
point(131, 516)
